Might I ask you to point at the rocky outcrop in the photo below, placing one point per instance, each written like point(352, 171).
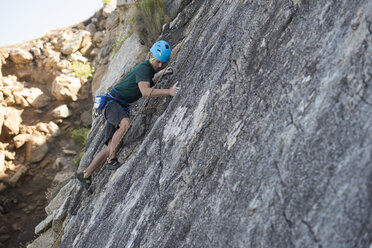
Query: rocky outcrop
point(66, 88)
point(45, 91)
point(267, 144)
point(40, 79)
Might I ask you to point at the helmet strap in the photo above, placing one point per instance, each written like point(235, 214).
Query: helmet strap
point(151, 60)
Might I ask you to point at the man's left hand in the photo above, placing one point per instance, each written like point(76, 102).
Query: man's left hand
point(168, 70)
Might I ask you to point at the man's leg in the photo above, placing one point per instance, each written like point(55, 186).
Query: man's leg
point(117, 138)
point(98, 160)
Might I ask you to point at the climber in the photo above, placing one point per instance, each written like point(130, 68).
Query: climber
point(137, 83)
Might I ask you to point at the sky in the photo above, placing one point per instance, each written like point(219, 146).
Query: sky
point(23, 20)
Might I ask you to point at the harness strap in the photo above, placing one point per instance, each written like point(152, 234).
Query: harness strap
point(122, 102)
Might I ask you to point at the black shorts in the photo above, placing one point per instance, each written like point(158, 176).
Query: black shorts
point(113, 113)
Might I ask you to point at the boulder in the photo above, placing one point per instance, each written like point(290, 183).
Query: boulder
point(63, 176)
point(91, 28)
point(2, 162)
point(60, 163)
point(86, 118)
point(52, 58)
point(9, 155)
point(71, 42)
point(20, 56)
point(21, 170)
point(68, 152)
point(12, 122)
point(8, 97)
point(36, 51)
point(63, 64)
point(66, 88)
point(54, 129)
point(38, 147)
point(37, 98)
point(9, 100)
point(42, 127)
point(95, 52)
point(10, 80)
point(108, 8)
point(98, 38)
point(78, 57)
point(61, 112)
point(95, 20)
point(20, 140)
point(87, 39)
point(20, 100)
point(84, 50)
point(47, 51)
point(1, 119)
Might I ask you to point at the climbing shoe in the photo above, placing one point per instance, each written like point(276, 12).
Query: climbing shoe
point(84, 180)
point(113, 164)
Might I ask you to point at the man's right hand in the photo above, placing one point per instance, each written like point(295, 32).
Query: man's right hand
point(173, 91)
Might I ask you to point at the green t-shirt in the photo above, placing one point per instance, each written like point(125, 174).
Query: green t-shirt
point(128, 87)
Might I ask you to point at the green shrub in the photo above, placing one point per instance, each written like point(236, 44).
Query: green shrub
point(82, 70)
point(78, 158)
point(119, 41)
point(80, 136)
point(149, 20)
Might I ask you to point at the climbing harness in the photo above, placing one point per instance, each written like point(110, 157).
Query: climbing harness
point(136, 115)
point(101, 101)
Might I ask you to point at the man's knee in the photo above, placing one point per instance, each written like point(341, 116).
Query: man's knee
point(124, 123)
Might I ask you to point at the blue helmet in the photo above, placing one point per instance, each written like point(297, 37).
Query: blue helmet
point(161, 50)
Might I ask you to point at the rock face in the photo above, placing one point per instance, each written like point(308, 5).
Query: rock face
point(267, 144)
point(45, 91)
point(66, 88)
point(21, 56)
point(38, 148)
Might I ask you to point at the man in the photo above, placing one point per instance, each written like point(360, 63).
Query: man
point(136, 84)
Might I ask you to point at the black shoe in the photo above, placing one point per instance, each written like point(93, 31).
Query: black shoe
point(113, 164)
point(85, 181)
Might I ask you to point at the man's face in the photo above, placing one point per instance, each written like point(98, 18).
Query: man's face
point(157, 65)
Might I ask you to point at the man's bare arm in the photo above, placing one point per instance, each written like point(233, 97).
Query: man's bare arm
point(147, 91)
point(158, 75)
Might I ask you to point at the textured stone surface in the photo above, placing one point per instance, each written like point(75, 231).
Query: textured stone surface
point(37, 98)
point(1, 118)
point(61, 112)
point(267, 144)
point(125, 59)
point(20, 140)
point(71, 42)
point(37, 148)
point(12, 121)
point(47, 239)
point(108, 8)
point(66, 88)
point(20, 56)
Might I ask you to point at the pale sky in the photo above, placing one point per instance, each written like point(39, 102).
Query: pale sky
point(22, 20)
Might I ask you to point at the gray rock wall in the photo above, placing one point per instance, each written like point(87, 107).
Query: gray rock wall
point(268, 143)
